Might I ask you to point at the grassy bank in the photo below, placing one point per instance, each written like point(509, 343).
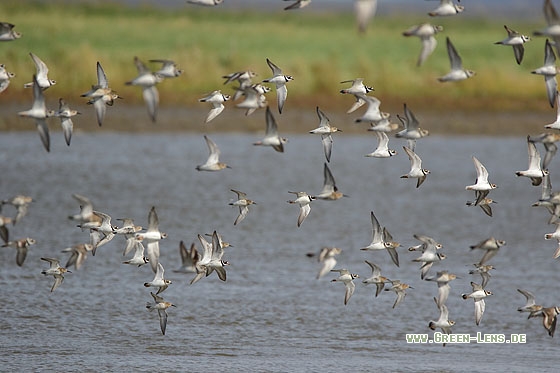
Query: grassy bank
point(319, 50)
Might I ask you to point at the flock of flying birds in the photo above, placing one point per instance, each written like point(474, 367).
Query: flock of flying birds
point(251, 96)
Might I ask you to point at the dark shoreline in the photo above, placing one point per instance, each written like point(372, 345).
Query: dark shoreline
point(120, 118)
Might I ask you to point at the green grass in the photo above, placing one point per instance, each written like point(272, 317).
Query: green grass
point(319, 50)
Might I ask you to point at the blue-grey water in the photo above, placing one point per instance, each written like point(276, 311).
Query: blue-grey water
point(272, 314)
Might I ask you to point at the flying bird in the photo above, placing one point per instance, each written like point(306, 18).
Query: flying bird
point(416, 170)
point(347, 279)
point(303, 200)
point(213, 162)
point(217, 99)
point(100, 95)
point(457, 71)
point(516, 40)
point(43, 80)
point(40, 114)
point(325, 130)
point(161, 306)
point(271, 137)
point(549, 71)
point(426, 33)
point(280, 80)
point(147, 80)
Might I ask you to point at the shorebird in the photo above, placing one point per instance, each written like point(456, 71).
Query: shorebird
point(428, 257)
point(376, 278)
point(271, 137)
point(443, 279)
point(21, 203)
point(152, 236)
point(549, 71)
point(222, 244)
point(147, 80)
point(168, 69)
point(189, 258)
point(217, 99)
point(478, 294)
point(65, 114)
point(159, 281)
point(244, 78)
point(5, 77)
point(56, 271)
point(86, 214)
point(555, 235)
point(243, 203)
point(325, 130)
point(516, 40)
point(280, 80)
point(549, 315)
point(7, 32)
point(39, 113)
point(553, 24)
point(372, 114)
point(483, 271)
point(160, 305)
point(100, 95)
point(412, 130)
point(446, 8)
point(358, 88)
point(213, 162)
point(211, 259)
point(330, 191)
point(303, 200)
point(382, 150)
point(105, 228)
point(534, 172)
point(549, 142)
point(128, 228)
point(428, 243)
point(484, 204)
point(22, 246)
point(457, 71)
point(347, 279)
point(416, 170)
point(78, 254)
point(327, 260)
point(138, 259)
point(481, 186)
point(491, 245)
point(364, 11)
point(382, 240)
point(443, 322)
point(400, 289)
point(384, 125)
point(254, 98)
point(530, 306)
point(426, 33)
point(43, 80)
point(550, 200)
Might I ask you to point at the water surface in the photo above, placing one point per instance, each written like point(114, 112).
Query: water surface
point(272, 314)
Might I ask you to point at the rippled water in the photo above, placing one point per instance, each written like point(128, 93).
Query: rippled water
point(271, 314)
